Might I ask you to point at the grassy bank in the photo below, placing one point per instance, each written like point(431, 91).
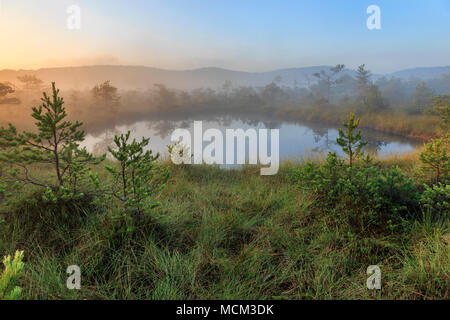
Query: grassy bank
point(422, 127)
point(224, 234)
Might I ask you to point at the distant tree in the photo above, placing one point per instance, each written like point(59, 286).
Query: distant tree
point(106, 94)
point(345, 86)
point(421, 98)
point(393, 90)
point(31, 82)
point(272, 92)
point(165, 97)
point(329, 78)
point(369, 93)
point(374, 101)
point(363, 80)
point(5, 89)
point(440, 85)
point(227, 86)
point(350, 142)
point(246, 96)
point(74, 96)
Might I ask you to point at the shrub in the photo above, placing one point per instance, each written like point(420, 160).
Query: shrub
point(9, 277)
point(322, 180)
point(436, 199)
point(393, 192)
point(377, 194)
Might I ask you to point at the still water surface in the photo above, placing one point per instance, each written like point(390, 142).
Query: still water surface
point(297, 140)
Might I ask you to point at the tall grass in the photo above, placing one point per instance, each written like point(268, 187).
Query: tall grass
point(221, 234)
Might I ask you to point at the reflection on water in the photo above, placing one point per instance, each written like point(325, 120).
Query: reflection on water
point(297, 140)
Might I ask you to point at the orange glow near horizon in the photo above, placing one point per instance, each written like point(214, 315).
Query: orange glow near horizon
point(237, 35)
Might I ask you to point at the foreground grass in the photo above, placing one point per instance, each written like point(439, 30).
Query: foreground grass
point(223, 234)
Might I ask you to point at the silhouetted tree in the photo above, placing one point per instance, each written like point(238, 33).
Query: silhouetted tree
point(5, 89)
point(31, 82)
point(329, 78)
point(106, 94)
point(363, 79)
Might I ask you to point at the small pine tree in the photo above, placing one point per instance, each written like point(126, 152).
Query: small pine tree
point(137, 178)
point(350, 142)
point(442, 106)
point(9, 277)
point(363, 80)
point(435, 158)
point(436, 155)
point(56, 143)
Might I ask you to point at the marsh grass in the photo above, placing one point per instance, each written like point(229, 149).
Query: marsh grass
point(421, 127)
point(222, 234)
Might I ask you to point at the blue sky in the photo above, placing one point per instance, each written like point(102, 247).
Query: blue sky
point(251, 35)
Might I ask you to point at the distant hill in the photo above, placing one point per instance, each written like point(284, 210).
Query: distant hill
point(140, 77)
point(424, 73)
point(128, 77)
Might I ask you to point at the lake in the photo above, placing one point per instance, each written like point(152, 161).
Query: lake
point(296, 140)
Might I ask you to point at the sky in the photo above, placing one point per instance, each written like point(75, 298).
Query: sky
point(245, 35)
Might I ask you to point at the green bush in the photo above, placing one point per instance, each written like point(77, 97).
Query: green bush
point(377, 194)
point(436, 199)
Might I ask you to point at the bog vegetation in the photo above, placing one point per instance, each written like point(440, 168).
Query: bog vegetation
point(143, 228)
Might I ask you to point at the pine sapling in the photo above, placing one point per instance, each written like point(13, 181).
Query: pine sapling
point(137, 177)
point(9, 277)
point(56, 143)
point(350, 141)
